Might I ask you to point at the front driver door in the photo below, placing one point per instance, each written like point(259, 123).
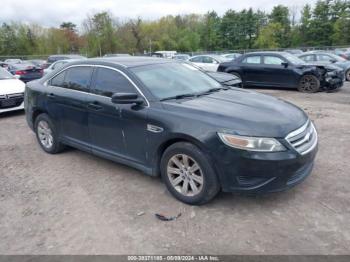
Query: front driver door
point(277, 74)
point(116, 131)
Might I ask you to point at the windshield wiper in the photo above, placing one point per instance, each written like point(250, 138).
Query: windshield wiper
point(212, 90)
point(179, 97)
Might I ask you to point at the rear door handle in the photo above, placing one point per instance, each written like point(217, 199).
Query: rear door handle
point(50, 95)
point(95, 106)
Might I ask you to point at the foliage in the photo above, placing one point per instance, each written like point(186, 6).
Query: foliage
point(325, 23)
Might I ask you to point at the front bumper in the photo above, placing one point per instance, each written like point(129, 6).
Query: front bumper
point(254, 172)
point(20, 107)
point(333, 80)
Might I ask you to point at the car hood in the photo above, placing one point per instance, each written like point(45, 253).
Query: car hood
point(11, 86)
point(326, 66)
point(344, 65)
point(241, 112)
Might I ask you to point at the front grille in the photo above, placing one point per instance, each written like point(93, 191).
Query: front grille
point(304, 139)
point(11, 100)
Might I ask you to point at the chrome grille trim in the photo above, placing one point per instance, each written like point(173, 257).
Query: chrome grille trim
point(304, 139)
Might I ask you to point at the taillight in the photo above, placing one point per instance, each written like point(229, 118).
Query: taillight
point(20, 72)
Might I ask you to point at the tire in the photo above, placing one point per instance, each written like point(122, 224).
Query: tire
point(175, 176)
point(46, 131)
point(309, 84)
point(347, 75)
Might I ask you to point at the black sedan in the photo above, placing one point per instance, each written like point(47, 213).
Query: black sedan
point(281, 69)
point(168, 118)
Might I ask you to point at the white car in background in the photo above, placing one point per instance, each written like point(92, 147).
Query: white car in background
point(208, 62)
point(57, 65)
point(11, 92)
point(13, 61)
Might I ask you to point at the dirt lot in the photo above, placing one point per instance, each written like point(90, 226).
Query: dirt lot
point(76, 203)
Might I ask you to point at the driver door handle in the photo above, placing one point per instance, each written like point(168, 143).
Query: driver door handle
point(95, 106)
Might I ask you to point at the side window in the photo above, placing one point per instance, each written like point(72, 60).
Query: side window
point(325, 58)
point(252, 60)
point(198, 59)
point(208, 60)
point(273, 60)
point(308, 58)
point(78, 78)
point(108, 81)
point(58, 80)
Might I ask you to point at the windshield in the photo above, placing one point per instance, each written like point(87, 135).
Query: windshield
point(5, 75)
point(293, 59)
point(174, 79)
point(338, 58)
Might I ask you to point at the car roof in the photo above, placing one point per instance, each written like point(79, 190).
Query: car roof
point(132, 61)
point(267, 53)
point(68, 55)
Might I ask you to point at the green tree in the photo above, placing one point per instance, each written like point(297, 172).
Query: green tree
point(269, 36)
point(100, 34)
point(280, 15)
point(210, 35)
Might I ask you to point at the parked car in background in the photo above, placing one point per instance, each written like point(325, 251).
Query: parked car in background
point(326, 59)
point(168, 118)
point(53, 58)
point(3, 64)
point(57, 65)
point(208, 62)
point(182, 57)
point(345, 55)
point(226, 79)
point(281, 69)
point(37, 62)
point(294, 51)
point(26, 72)
point(116, 55)
point(13, 61)
point(231, 56)
point(11, 92)
point(165, 54)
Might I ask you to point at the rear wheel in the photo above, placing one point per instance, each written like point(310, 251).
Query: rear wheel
point(46, 134)
point(188, 174)
point(309, 84)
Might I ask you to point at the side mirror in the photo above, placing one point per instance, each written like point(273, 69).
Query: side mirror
point(127, 98)
point(285, 64)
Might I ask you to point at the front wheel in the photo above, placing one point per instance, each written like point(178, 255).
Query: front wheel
point(188, 174)
point(347, 75)
point(309, 84)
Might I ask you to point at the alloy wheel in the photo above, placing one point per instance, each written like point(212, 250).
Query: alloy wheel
point(45, 134)
point(347, 76)
point(185, 175)
point(309, 84)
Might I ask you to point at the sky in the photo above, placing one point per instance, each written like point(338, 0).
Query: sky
point(53, 12)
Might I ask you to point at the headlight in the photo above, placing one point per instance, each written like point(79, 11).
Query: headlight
point(260, 144)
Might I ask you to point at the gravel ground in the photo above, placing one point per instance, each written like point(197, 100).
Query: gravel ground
point(76, 203)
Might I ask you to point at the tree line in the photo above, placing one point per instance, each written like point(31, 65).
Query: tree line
point(326, 23)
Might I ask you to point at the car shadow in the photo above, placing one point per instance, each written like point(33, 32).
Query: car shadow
point(12, 113)
point(271, 88)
